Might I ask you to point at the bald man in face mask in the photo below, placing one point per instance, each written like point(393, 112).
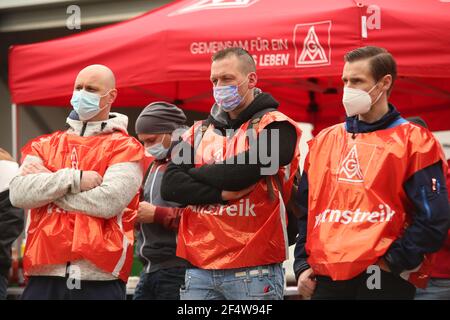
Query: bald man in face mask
point(82, 188)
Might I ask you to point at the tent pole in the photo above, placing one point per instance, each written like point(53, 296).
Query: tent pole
point(15, 135)
point(15, 129)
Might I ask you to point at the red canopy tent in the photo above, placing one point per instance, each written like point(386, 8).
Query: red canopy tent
point(298, 46)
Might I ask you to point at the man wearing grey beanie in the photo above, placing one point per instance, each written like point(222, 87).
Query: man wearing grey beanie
point(163, 272)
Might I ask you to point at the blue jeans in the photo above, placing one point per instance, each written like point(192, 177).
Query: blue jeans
point(163, 284)
point(438, 289)
point(254, 283)
point(56, 288)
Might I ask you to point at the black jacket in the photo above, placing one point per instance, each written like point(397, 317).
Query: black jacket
point(424, 235)
point(11, 226)
point(185, 184)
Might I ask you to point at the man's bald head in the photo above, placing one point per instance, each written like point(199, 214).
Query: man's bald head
point(100, 74)
point(98, 79)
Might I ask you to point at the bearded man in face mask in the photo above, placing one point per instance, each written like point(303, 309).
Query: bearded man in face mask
point(375, 193)
point(163, 272)
point(234, 171)
point(82, 188)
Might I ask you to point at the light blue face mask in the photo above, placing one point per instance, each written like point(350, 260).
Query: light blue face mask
point(158, 151)
point(86, 104)
point(228, 97)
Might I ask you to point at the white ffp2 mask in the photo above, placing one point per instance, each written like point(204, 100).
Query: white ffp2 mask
point(357, 101)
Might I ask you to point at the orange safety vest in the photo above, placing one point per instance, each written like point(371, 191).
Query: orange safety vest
point(56, 236)
point(357, 205)
point(247, 232)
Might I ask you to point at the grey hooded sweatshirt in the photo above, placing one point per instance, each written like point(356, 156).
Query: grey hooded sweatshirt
point(120, 184)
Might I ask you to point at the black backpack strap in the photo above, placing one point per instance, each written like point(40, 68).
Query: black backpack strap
point(254, 122)
point(292, 210)
point(199, 133)
point(256, 118)
point(291, 206)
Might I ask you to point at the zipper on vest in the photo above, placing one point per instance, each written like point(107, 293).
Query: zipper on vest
point(141, 250)
point(83, 129)
point(355, 127)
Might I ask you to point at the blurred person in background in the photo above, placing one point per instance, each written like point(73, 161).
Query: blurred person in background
point(11, 218)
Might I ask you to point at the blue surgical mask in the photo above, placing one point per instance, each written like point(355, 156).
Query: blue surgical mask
point(86, 104)
point(228, 97)
point(158, 150)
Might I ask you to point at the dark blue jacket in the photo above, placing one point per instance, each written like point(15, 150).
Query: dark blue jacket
point(430, 224)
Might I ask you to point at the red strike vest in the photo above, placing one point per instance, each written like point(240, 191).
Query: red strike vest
point(247, 232)
point(357, 205)
point(56, 236)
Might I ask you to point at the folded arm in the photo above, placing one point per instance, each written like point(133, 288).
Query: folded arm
point(429, 227)
point(36, 190)
point(179, 186)
point(120, 184)
point(273, 150)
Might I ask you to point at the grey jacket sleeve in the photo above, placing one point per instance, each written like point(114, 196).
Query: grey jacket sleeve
point(37, 190)
point(120, 184)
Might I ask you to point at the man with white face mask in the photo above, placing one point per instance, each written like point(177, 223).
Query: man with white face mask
point(375, 193)
point(82, 188)
point(163, 272)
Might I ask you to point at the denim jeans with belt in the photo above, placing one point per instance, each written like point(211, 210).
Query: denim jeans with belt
point(254, 283)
